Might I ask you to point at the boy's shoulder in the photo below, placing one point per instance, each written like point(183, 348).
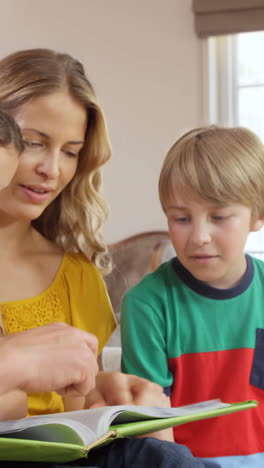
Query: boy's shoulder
point(165, 277)
point(155, 281)
point(258, 264)
point(259, 261)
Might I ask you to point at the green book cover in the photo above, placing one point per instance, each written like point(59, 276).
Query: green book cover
point(65, 437)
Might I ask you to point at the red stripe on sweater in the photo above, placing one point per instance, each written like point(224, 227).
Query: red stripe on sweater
point(225, 375)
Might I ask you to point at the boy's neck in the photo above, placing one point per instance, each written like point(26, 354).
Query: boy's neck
point(212, 292)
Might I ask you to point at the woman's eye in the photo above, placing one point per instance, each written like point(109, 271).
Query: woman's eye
point(182, 219)
point(71, 154)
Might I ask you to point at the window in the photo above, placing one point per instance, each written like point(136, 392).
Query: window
point(250, 81)
point(235, 92)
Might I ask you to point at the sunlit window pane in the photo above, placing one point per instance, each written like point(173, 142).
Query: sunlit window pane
point(251, 109)
point(250, 89)
point(255, 244)
point(250, 48)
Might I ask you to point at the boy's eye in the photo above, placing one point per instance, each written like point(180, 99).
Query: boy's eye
point(219, 217)
point(32, 144)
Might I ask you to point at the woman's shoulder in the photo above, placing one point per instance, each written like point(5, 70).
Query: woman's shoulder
point(78, 263)
point(78, 270)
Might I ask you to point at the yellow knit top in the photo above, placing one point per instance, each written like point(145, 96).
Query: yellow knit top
point(77, 296)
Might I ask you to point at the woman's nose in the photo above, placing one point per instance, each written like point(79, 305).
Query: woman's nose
point(49, 165)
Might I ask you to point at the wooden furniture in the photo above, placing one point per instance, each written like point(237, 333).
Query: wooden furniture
point(133, 257)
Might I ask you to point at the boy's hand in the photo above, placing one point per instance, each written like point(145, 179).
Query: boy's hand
point(55, 357)
point(116, 388)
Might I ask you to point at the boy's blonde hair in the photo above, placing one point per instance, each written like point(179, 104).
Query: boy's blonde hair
point(218, 164)
point(73, 220)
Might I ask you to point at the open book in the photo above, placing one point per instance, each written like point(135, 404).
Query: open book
point(64, 437)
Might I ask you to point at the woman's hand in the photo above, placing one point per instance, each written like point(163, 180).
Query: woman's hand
point(55, 357)
point(13, 405)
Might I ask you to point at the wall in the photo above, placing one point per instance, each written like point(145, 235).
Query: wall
point(145, 62)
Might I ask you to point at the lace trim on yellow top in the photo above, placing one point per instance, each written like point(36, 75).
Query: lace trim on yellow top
point(46, 307)
point(77, 296)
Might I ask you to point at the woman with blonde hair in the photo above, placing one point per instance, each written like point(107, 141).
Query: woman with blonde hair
point(52, 211)
point(52, 250)
point(80, 210)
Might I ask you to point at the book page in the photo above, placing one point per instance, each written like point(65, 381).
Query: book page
point(47, 428)
point(92, 424)
point(48, 433)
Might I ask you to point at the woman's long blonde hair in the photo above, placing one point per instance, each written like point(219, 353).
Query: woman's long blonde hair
point(74, 219)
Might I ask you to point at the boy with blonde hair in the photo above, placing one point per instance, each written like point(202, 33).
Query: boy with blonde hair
point(196, 325)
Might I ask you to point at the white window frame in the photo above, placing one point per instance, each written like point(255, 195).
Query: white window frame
point(220, 97)
point(219, 80)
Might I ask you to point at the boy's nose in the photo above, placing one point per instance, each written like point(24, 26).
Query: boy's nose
point(200, 234)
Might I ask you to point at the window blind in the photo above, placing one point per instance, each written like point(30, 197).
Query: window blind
point(218, 17)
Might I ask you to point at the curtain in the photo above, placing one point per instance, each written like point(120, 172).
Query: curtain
point(217, 17)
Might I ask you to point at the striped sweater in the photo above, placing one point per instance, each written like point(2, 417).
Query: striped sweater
point(201, 343)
